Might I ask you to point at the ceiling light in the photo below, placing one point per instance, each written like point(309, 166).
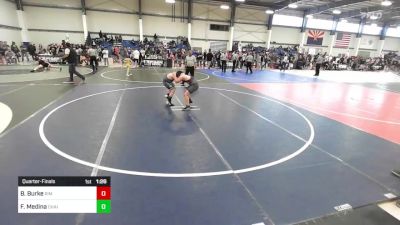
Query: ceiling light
point(373, 25)
point(170, 1)
point(386, 3)
point(344, 21)
point(310, 16)
point(335, 11)
point(373, 17)
point(240, 0)
point(269, 11)
point(224, 6)
point(292, 6)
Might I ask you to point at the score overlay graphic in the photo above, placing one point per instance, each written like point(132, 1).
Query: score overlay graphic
point(64, 195)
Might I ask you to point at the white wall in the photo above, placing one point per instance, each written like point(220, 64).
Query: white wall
point(366, 38)
point(285, 35)
point(45, 38)
point(213, 12)
point(163, 27)
point(201, 29)
point(250, 33)
point(121, 5)
point(8, 16)
point(112, 22)
point(161, 7)
point(53, 19)
point(205, 45)
point(392, 44)
point(251, 15)
point(10, 35)
point(72, 3)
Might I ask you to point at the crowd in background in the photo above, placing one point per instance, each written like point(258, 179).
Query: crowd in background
point(261, 58)
point(290, 58)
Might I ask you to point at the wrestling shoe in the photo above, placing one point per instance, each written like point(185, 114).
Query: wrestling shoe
point(186, 108)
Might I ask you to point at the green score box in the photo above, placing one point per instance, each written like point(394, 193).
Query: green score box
point(103, 206)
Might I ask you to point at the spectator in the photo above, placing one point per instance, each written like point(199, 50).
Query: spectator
point(10, 57)
point(105, 56)
point(223, 58)
point(136, 56)
point(16, 50)
point(24, 52)
point(92, 52)
point(209, 58)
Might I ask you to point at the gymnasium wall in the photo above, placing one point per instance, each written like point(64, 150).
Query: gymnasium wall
point(391, 44)
point(210, 12)
point(52, 21)
point(9, 22)
point(285, 35)
point(10, 35)
point(110, 22)
point(8, 15)
point(68, 3)
point(45, 38)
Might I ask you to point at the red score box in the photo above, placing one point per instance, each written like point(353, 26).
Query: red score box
point(103, 193)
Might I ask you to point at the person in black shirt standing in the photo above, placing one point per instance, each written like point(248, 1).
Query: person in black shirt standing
point(218, 58)
point(204, 59)
point(71, 57)
point(209, 58)
point(32, 51)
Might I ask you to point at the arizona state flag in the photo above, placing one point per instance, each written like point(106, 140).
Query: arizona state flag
point(315, 37)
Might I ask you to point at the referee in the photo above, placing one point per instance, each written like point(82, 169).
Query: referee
point(190, 62)
point(223, 61)
point(249, 62)
point(92, 52)
point(72, 58)
point(234, 61)
point(318, 63)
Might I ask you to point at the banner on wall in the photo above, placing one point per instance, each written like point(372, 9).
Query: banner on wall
point(315, 37)
point(342, 40)
point(368, 42)
point(218, 45)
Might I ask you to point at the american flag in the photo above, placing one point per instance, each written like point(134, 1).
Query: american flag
point(342, 40)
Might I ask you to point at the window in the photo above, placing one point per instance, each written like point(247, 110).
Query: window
point(393, 32)
point(219, 27)
point(347, 27)
point(320, 24)
point(283, 20)
point(374, 30)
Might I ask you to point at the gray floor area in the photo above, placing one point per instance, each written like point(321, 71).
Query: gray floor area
point(149, 137)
